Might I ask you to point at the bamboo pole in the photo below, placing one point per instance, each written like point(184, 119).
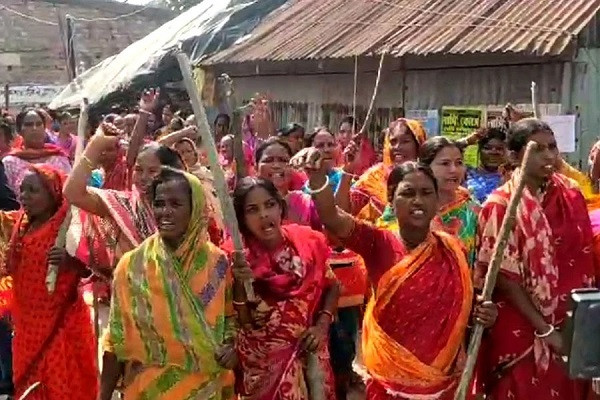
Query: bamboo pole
point(374, 96)
point(507, 226)
point(534, 103)
point(209, 145)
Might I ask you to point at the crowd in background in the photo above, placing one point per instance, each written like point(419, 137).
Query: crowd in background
point(367, 263)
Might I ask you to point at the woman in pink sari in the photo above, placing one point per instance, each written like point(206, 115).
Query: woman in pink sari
point(34, 149)
point(284, 355)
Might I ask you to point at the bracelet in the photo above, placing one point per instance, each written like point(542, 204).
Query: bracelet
point(545, 335)
point(145, 112)
point(239, 303)
point(319, 190)
point(328, 313)
point(88, 162)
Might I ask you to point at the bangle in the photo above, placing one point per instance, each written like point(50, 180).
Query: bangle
point(328, 313)
point(239, 303)
point(319, 190)
point(88, 163)
point(545, 335)
point(145, 112)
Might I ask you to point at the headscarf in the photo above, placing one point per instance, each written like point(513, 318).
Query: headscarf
point(48, 150)
point(416, 129)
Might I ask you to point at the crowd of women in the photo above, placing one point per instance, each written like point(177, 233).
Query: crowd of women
point(366, 265)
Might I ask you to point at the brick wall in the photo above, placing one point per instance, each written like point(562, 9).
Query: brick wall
point(33, 52)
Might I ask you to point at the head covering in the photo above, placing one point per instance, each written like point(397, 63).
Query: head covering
point(53, 180)
point(416, 129)
point(48, 150)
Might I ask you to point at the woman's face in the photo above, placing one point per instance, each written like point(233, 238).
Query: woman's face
point(35, 198)
point(274, 166)
point(416, 201)
point(226, 148)
point(262, 213)
point(493, 154)
point(544, 158)
point(33, 131)
point(167, 115)
point(295, 140)
point(187, 152)
point(147, 167)
point(172, 208)
point(221, 127)
point(403, 146)
point(448, 168)
point(325, 142)
point(345, 134)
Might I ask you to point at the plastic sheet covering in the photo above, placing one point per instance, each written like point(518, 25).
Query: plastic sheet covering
point(211, 26)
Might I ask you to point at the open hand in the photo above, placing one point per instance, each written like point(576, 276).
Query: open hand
point(149, 100)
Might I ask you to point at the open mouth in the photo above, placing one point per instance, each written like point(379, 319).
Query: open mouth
point(417, 213)
point(268, 228)
point(166, 225)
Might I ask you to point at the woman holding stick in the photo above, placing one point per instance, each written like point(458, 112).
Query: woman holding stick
point(284, 356)
point(54, 340)
point(549, 253)
point(416, 322)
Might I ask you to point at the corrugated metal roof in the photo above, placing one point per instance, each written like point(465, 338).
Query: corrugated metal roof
point(317, 29)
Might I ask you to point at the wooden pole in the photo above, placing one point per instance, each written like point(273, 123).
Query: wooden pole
point(534, 103)
point(506, 228)
point(374, 96)
point(217, 171)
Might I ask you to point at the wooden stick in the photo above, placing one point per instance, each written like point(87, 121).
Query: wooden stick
point(29, 390)
point(217, 171)
point(375, 90)
point(61, 238)
point(506, 228)
point(534, 103)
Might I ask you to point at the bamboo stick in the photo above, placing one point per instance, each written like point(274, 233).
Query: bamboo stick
point(374, 96)
point(507, 226)
point(209, 145)
point(534, 103)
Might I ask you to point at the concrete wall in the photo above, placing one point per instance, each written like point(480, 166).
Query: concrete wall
point(33, 52)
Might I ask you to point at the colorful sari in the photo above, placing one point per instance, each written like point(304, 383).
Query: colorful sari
point(482, 183)
point(585, 184)
point(302, 210)
point(549, 253)
point(18, 161)
point(416, 320)
point(458, 218)
point(170, 311)
point(290, 283)
point(54, 341)
point(368, 196)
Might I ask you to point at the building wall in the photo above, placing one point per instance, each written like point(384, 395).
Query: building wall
point(33, 52)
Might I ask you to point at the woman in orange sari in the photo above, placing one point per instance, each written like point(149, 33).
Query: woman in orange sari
point(549, 253)
point(54, 340)
point(416, 321)
point(368, 196)
point(284, 356)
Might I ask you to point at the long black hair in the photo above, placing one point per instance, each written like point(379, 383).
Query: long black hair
point(21, 117)
point(521, 131)
point(166, 155)
point(243, 188)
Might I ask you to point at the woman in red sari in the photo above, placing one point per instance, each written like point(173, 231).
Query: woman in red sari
point(416, 322)
point(54, 341)
point(549, 253)
point(284, 356)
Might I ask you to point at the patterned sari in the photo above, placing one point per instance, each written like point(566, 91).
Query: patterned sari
point(458, 218)
point(169, 312)
point(482, 183)
point(290, 282)
point(54, 340)
point(416, 321)
point(549, 253)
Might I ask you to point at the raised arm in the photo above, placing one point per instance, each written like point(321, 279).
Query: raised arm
point(76, 189)
point(148, 104)
point(336, 221)
point(172, 138)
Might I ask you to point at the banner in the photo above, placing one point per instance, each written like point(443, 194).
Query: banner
point(460, 122)
point(429, 118)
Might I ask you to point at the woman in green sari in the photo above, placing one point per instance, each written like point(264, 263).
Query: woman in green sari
point(458, 211)
point(171, 327)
